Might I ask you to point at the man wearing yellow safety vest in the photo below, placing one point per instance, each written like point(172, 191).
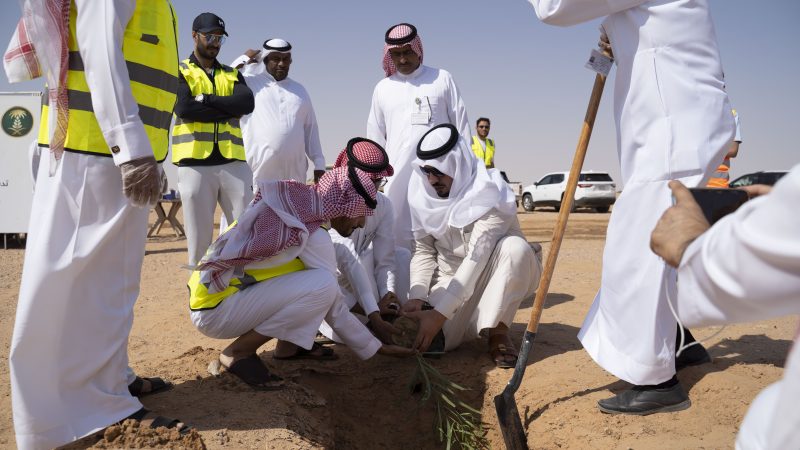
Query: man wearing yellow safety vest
point(722, 176)
point(482, 146)
point(112, 74)
point(207, 142)
point(272, 274)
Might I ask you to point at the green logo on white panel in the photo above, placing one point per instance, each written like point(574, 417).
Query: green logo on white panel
point(17, 121)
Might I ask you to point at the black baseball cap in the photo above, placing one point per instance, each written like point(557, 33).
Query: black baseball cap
point(208, 22)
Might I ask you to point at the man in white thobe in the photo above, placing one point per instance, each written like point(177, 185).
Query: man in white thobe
point(68, 356)
point(673, 122)
point(411, 100)
point(370, 267)
point(745, 267)
point(471, 262)
point(272, 275)
point(281, 134)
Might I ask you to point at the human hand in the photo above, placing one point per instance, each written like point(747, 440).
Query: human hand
point(382, 329)
point(412, 305)
point(252, 54)
point(317, 175)
point(756, 190)
point(605, 44)
point(681, 224)
point(430, 322)
point(389, 304)
point(395, 350)
point(141, 181)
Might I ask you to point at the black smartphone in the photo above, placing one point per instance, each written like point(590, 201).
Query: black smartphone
point(717, 203)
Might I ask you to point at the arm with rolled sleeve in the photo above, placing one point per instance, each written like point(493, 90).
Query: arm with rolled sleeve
point(486, 232)
point(311, 131)
point(572, 12)
point(100, 26)
point(747, 266)
point(383, 248)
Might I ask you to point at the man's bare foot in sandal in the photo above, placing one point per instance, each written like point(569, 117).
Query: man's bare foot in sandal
point(501, 349)
point(143, 386)
point(240, 359)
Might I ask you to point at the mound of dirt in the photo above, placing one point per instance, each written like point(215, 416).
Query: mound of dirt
point(130, 434)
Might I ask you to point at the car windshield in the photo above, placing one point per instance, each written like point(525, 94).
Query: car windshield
point(595, 177)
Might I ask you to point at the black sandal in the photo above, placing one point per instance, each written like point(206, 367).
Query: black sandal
point(252, 371)
point(156, 385)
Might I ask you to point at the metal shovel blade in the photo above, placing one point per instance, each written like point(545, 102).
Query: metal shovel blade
point(506, 406)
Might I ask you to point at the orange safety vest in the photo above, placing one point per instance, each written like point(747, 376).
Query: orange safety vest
point(722, 176)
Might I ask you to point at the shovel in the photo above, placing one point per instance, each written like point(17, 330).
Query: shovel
point(506, 406)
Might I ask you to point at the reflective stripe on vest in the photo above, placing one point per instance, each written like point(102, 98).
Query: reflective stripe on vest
point(722, 177)
point(195, 140)
point(200, 299)
point(150, 49)
point(488, 156)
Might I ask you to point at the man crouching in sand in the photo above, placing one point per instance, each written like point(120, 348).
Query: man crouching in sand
point(273, 275)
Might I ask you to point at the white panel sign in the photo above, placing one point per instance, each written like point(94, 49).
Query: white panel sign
point(19, 123)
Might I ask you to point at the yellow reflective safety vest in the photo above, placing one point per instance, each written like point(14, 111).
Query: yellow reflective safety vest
point(195, 140)
point(150, 48)
point(488, 156)
point(200, 299)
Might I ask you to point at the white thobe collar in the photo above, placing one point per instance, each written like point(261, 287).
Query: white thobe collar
point(271, 79)
point(412, 75)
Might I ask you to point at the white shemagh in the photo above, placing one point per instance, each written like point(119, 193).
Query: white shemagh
point(270, 45)
point(474, 192)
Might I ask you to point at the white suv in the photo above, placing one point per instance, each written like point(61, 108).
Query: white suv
point(595, 189)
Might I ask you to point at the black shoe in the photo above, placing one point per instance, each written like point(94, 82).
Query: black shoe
point(644, 400)
point(692, 356)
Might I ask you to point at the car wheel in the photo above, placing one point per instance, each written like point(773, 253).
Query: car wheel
point(527, 203)
point(601, 209)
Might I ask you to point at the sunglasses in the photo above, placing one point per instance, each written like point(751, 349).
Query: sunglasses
point(213, 38)
point(428, 170)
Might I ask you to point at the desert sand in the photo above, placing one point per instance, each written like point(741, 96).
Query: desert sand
point(353, 404)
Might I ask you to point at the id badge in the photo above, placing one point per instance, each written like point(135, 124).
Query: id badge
point(420, 118)
point(423, 114)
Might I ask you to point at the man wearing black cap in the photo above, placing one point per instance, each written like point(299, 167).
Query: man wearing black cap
point(281, 134)
point(411, 100)
point(207, 142)
point(471, 262)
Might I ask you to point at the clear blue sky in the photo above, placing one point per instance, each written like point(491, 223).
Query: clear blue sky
point(526, 76)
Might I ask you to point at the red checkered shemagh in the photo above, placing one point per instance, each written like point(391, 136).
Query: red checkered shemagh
point(282, 215)
point(398, 32)
point(367, 152)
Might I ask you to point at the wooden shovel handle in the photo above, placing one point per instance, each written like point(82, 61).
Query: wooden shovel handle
point(566, 203)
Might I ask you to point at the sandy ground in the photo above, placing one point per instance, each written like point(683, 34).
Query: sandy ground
point(350, 404)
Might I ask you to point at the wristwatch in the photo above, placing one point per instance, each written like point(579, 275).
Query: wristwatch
point(200, 98)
